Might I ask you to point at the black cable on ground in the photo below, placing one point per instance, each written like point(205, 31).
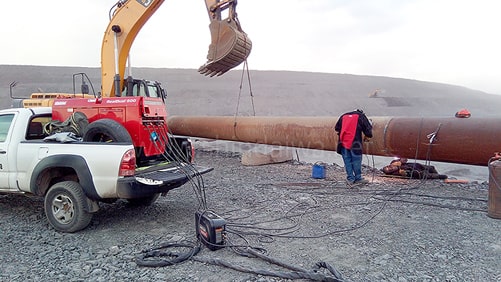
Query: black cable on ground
point(161, 256)
point(313, 274)
point(158, 256)
point(389, 196)
point(433, 205)
point(325, 234)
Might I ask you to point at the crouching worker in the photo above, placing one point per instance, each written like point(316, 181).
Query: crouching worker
point(400, 167)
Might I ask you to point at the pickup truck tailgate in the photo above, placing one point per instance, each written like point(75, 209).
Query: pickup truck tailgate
point(172, 173)
point(159, 179)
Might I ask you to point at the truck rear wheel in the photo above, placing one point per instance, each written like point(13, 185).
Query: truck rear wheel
point(65, 207)
point(106, 130)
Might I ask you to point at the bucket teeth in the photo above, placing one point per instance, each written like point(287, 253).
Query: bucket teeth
point(228, 49)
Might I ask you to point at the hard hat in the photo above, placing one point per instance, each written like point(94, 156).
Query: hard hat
point(463, 113)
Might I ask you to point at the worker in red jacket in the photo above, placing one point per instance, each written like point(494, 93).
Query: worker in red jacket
point(350, 127)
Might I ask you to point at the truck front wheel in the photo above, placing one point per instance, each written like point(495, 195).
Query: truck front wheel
point(65, 207)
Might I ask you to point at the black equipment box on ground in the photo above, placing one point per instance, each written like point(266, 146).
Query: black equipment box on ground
point(210, 228)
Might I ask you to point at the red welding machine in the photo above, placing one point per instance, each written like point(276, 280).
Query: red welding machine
point(210, 229)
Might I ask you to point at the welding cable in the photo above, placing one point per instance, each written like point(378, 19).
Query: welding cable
point(324, 189)
point(261, 231)
point(265, 232)
point(254, 229)
point(188, 169)
point(237, 248)
point(400, 193)
point(435, 205)
point(312, 275)
point(444, 198)
point(285, 216)
point(373, 166)
point(228, 215)
point(417, 143)
point(257, 231)
point(254, 226)
point(241, 235)
point(332, 232)
point(174, 146)
point(196, 179)
point(295, 273)
point(432, 136)
point(392, 194)
point(368, 163)
point(162, 256)
point(354, 227)
point(159, 257)
point(290, 266)
point(285, 230)
point(197, 183)
point(318, 235)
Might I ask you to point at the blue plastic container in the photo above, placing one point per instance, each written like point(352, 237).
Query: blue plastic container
point(318, 170)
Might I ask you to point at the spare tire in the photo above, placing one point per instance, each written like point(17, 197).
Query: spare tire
point(106, 130)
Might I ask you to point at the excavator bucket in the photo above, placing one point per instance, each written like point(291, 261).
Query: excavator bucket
point(229, 47)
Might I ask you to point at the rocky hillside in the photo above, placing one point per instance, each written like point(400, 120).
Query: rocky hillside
point(282, 93)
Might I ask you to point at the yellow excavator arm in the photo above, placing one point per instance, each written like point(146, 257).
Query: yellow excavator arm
point(229, 46)
point(126, 20)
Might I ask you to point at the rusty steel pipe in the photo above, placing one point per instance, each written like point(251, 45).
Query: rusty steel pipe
point(465, 141)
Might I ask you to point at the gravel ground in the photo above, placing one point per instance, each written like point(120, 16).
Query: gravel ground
point(389, 230)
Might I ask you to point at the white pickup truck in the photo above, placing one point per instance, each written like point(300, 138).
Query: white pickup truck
point(74, 177)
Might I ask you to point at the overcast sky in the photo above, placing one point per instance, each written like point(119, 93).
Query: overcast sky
point(448, 41)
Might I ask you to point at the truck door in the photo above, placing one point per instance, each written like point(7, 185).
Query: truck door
point(5, 126)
